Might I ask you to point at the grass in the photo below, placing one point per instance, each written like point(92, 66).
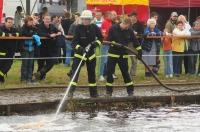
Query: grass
point(58, 76)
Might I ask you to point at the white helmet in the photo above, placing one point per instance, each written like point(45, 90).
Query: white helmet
point(86, 14)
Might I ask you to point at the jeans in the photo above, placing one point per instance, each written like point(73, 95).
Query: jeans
point(26, 68)
point(177, 62)
point(103, 66)
point(68, 52)
point(192, 61)
point(168, 62)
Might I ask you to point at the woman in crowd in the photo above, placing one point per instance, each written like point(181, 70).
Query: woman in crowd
point(187, 27)
point(28, 30)
point(193, 49)
point(179, 47)
point(149, 46)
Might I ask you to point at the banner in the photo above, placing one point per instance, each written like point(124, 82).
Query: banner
point(117, 2)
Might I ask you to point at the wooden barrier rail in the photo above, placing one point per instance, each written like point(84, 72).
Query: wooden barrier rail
point(70, 37)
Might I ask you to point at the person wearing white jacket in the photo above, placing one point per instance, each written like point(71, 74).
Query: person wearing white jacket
point(179, 47)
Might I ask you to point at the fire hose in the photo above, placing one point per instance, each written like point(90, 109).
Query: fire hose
point(155, 77)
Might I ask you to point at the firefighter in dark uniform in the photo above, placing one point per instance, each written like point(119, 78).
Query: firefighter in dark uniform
point(47, 48)
point(85, 34)
point(7, 47)
point(121, 33)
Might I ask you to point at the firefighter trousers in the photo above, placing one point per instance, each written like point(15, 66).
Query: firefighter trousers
point(5, 64)
point(91, 66)
point(123, 65)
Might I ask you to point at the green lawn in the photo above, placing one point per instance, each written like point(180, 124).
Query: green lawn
point(58, 76)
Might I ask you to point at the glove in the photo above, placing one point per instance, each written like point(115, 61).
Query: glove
point(94, 44)
point(139, 56)
point(81, 49)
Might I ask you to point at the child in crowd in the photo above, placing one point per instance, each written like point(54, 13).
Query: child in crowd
point(167, 52)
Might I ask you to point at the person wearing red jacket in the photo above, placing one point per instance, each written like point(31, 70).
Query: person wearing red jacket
point(106, 24)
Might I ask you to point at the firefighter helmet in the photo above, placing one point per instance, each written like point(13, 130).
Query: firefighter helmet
point(86, 14)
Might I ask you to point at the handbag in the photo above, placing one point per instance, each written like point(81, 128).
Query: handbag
point(146, 44)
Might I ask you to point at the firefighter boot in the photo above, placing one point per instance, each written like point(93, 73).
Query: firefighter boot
point(71, 92)
point(2, 80)
point(130, 90)
point(93, 92)
point(109, 90)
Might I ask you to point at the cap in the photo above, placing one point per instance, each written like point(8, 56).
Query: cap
point(174, 14)
point(133, 14)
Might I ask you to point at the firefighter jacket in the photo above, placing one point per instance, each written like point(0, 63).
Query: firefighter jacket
point(83, 36)
point(124, 37)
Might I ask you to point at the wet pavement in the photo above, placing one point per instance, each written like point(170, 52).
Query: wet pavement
point(34, 95)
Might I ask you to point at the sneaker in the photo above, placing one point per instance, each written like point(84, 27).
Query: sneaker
point(166, 76)
point(199, 74)
point(101, 78)
point(37, 75)
point(171, 75)
point(114, 76)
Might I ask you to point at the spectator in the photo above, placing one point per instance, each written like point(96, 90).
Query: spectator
point(198, 19)
point(47, 49)
point(60, 28)
point(7, 48)
point(171, 23)
point(28, 30)
point(187, 27)
point(107, 23)
point(66, 22)
point(179, 46)
point(137, 29)
point(54, 21)
point(19, 16)
point(43, 13)
point(149, 45)
point(71, 32)
point(114, 19)
point(98, 19)
point(155, 68)
point(36, 18)
point(167, 52)
point(193, 49)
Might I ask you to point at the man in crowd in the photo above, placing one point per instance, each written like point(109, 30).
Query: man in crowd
point(114, 20)
point(156, 68)
point(66, 22)
point(98, 19)
point(171, 23)
point(47, 49)
point(107, 23)
point(18, 19)
point(121, 33)
point(36, 18)
point(43, 13)
point(54, 22)
point(138, 29)
point(7, 47)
